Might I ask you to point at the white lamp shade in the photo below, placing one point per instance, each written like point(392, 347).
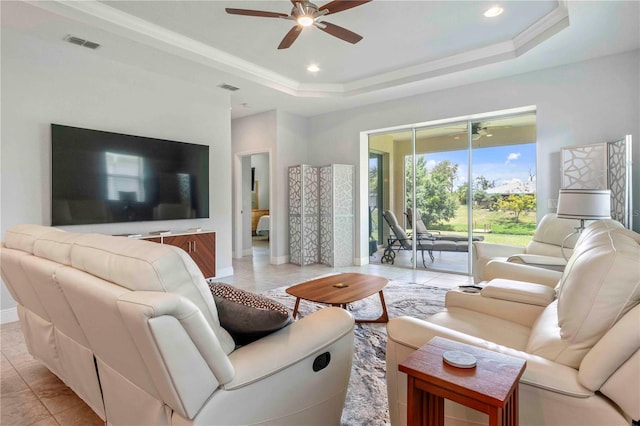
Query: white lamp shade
point(588, 204)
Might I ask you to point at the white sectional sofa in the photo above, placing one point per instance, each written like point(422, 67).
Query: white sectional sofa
point(581, 339)
point(132, 328)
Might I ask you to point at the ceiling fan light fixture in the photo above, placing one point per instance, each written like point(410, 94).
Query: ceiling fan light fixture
point(313, 68)
point(493, 12)
point(305, 20)
point(306, 14)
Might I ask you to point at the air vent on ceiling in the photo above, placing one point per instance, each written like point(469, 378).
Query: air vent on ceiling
point(228, 87)
point(82, 42)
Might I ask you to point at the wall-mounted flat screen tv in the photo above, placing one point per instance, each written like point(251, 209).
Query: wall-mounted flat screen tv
point(103, 177)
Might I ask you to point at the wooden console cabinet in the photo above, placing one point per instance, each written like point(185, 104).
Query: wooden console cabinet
point(201, 246)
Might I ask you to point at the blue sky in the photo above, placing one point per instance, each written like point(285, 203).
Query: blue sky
point(499, 164)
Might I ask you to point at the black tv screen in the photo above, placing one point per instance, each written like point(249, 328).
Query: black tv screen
point(103, 177)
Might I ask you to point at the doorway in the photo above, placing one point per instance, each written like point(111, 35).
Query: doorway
point(260, 205)
point(252, 200)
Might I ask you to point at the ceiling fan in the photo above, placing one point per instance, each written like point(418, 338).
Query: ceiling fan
point(480, 129)
point(306, 14)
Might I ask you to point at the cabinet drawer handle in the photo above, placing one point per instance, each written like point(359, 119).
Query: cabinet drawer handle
point(194, 246)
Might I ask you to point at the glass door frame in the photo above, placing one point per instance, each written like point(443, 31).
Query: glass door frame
point(469, 173)
point(379, 157)
point(364, 170)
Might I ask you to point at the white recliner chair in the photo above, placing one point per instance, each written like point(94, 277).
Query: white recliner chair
point(547, 249)
point(581, 340)
point(540, 269)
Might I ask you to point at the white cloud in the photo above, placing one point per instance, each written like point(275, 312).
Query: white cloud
point(431, 164)
point(513, 156)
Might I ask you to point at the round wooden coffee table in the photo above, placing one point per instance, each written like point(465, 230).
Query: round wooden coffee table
point(341, 289)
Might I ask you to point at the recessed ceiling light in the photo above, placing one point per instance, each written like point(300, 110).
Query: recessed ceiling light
point(313, 68)
point(493, 12)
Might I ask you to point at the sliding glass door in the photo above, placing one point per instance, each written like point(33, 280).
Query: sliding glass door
point(504, 179)
point(442, 167)
point(463, 181)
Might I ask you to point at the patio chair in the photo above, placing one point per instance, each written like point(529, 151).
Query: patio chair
point(422, 231)
point(400, 241)
point(421, 228)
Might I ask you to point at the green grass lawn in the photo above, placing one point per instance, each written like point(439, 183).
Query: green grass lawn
point(504, 229)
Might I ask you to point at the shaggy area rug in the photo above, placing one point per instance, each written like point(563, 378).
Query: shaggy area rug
point(366, 402)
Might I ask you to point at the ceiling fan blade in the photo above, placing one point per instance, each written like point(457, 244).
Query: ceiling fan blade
point(341, 33)
point(291, 36)
point(340, 5)
point(259, 13)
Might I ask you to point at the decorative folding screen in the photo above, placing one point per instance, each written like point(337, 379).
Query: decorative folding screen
point(303, 214)
point(321, 214)
point(336, 215)
point(602, 166)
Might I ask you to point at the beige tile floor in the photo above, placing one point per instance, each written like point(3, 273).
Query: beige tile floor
point(31, 395)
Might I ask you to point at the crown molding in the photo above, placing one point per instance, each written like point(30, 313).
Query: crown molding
point(543, 29)
point(97, 14)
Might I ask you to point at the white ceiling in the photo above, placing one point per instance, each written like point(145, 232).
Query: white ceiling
point(408, 47)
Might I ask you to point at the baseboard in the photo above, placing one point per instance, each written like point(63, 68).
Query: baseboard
point(360, 261)
point(279, 260)
point(247, 252)
point(224, 272)
point(8, 315)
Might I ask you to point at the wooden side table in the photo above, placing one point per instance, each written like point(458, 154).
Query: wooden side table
point(490, 387)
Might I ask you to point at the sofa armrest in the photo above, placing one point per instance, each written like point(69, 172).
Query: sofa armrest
point(517, 312)
point(539, 261)
point(514, 271)
point(483, 253)
point(304, 338)
point(489, 250)
point(519, 291)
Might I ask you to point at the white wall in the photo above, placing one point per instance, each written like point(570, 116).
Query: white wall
point(245, 230)
point(261, 164)
point(249, 135)
point(285, 137)
point(46, 82)
point(584, 103)
point(293, 143)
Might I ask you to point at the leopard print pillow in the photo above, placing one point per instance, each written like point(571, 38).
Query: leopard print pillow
point(248, 316)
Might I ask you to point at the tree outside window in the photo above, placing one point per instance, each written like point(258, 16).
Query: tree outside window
point(435, 196)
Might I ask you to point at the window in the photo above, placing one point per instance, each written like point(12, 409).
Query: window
point(125, 174)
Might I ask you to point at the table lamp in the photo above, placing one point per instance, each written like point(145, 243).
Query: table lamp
point(583, 204)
